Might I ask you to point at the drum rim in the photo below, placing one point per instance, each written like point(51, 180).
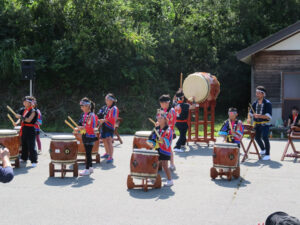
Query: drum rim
point(9, 132)
point(66, 137)
point(145, 151)
point(226, 145)
point(140, 135)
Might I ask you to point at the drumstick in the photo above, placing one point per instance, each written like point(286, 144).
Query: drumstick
point(12, 111)
point(251, 108)
point(66, 122)
point(152, 121)
point(230, 125)
point(181, 75)
point(69, 117)
point(11, 119)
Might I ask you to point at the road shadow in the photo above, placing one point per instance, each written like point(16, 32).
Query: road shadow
point(261, 163)
point(195, 150)
point(173, 174)
point(23, 169)
point(82, 181)
point(106, 166)
point(69, 181)
point(159, 194)
point(234, 183)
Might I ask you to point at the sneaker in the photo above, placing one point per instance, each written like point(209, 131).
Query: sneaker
point(91, 170)
point(172, 167)
point(84, 172)
point(109, 160)
point(169, 183)
point(266, 157)
point(262, 152)
point(33, 165)
point(176, 149)
point(180, 150)
point(105, 156)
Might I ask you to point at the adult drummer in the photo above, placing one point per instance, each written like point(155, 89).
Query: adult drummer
point(6, 171)
point(28, 117)
point(262, 116)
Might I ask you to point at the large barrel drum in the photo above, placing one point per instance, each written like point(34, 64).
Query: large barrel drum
point(10, 139)
point(140, 139)
point(203, 86)
point(226, 155)
point(144, 163)
point(63, 149)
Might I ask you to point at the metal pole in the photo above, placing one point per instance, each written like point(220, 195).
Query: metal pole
point(30, 87)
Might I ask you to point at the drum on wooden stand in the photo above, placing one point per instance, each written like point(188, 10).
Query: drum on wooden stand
point(144, 165)
point(226, 158)
point(63, 150)
point(95, 150)
point(10, 139)
point(140, 141)
point(205, 88)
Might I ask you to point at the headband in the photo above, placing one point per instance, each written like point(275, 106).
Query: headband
point(85, 102)
point(261, 91)
point(109, 97)
point(29, 100)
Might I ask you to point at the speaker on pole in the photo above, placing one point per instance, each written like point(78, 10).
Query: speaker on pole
point(28, 70)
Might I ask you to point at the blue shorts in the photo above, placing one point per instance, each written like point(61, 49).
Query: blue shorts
point(107, 134)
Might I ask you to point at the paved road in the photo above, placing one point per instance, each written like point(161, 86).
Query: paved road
point(264, 187)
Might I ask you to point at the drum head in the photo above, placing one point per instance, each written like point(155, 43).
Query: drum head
point(143, 133)
point(63, 137)
point(226, 145)
point(144, 151)
point(196, 85)
point(8, 132)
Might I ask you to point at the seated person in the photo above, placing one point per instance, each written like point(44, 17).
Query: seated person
point(232, 129)
point(294, 120)
point(6, 171)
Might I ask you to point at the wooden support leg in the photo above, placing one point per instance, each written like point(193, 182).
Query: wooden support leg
point(285, 149)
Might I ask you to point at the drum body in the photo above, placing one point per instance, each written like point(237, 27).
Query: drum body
point(226, 155)
point(203, 86)
point(81, 149)
point(18, 128)
point(10, 139)
point(144, 163)
point(140, 139)
point(63, 149)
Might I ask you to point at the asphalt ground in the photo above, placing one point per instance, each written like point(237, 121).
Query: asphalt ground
point(103, 198)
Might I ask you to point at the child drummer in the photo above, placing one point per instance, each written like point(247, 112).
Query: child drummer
point(167, 108)
point(232, 129)
point(163, 143)
point(28, 117)
point(108, 116)
point(87, 124)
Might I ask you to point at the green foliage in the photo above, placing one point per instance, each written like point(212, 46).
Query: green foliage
point(133, 48)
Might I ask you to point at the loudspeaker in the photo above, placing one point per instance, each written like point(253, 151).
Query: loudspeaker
point(28, 70)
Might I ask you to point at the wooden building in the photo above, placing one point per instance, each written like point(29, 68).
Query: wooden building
point(275, 64)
